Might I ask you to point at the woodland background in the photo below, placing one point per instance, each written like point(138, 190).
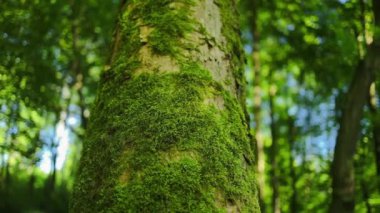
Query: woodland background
point(301, 58)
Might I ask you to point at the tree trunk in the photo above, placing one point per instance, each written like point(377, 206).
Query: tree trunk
point(342, 167)
point(366, 197)
point(76, 64)
point(375, 126)
point(276, 207)
point(260, 160)
point(292, 139)
point(169, 131)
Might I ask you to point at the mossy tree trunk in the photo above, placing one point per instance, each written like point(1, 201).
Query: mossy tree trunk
point(169, 130)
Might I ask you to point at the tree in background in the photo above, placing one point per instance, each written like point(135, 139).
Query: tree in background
point(343, 183)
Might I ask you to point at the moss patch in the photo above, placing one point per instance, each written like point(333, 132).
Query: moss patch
point(156, 113)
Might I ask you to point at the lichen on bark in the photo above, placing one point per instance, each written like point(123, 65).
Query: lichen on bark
point(169, 134)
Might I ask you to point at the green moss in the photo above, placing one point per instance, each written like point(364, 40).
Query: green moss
point(155, 143)
point(166, 113)
point(231, 32)
point(170, 21)
point(169, 26)
point(161, 191)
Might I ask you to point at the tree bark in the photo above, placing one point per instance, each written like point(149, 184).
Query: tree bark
point(260, 160)
point(342, 166)
point(293, 175)
point(375, 126)
point(168, 131)
point(343, 199)
point(276, 207)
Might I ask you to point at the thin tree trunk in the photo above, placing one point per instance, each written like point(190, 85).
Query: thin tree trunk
point(348, 134)
point(293, 175)
point(7, 172)
point(260, 160)
point(2, 163)
point(32, 181)
point(366, 197)
point(276, 207)
point(50, 181)
point(53, 175)
point(168, 131)
point(343, 199)
point(76, 66)
point(375, 125)
point(363, 153)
